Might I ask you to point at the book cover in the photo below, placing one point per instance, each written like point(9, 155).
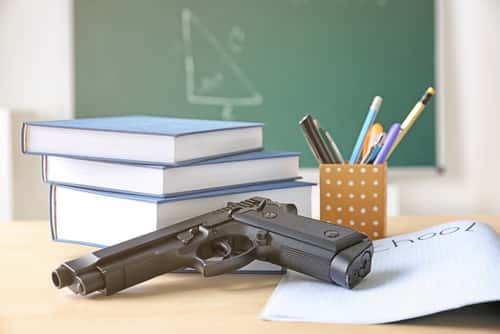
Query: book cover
point(163, 126)
point(196, 195)
point(164, 181)
point(244, 156)
point(141, 139)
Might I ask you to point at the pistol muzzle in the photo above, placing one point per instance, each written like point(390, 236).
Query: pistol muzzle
point(80, 284)
point(62, 277)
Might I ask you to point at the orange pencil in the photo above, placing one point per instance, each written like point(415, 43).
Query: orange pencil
point(372, 136)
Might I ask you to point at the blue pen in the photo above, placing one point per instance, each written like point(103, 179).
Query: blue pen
point(369, 120)
point(389, 141)
point(374, 150)
point(374, 155)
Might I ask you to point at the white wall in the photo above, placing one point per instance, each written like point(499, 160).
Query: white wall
point(35, 57)
point(469, 92)
point(35, 83)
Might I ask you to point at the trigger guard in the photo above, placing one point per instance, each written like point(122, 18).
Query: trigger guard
point(210, 268)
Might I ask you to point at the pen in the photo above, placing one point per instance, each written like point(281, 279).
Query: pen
point(305, 124)
point(412, 117)
point(313, 138)
point(374, 150)
point(335, 149)
point(372, 136)
point(324, 142)
point(389, 142)
point(332, 148)
point(370, 118)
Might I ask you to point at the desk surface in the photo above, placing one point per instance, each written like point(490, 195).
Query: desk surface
point(177, 303)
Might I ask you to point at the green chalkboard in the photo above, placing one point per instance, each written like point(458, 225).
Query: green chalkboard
point(261, 60)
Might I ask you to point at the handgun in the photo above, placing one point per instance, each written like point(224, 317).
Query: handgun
point(222, 241)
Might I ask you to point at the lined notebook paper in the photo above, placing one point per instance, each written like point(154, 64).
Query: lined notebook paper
point(441, 268)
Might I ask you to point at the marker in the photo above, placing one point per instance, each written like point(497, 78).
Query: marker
point(370, 118)
point(389, 142)
point(372, 136)
point(374, 150)
point(412, 117)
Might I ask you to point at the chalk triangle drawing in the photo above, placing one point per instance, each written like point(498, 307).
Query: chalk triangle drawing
point(213, 77)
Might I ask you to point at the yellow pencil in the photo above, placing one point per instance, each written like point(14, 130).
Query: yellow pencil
point(412, 116)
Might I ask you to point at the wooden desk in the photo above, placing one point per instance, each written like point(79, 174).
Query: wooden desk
point(176, 303)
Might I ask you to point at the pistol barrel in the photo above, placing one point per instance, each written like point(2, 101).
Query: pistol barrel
point(83, 284)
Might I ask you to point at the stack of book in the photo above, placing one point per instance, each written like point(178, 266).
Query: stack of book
point(115, 178)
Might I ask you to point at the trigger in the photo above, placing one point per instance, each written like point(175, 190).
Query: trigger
point(222, 248)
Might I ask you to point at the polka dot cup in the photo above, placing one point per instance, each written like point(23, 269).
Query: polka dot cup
point(354, 196)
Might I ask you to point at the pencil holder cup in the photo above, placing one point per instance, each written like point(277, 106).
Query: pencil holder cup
point(354, 196)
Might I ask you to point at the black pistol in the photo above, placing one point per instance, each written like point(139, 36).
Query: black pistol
point(222, 241)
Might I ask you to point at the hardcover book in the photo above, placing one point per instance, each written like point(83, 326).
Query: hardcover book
point(100, 218)
point(231, 171)
point(141, 139)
